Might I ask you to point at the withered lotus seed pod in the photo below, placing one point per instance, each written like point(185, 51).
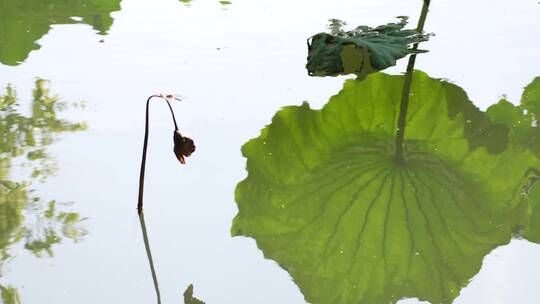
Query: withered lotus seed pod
point(183, 146)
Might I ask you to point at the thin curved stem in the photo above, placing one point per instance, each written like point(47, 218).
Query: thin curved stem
point(172, 113)
point(145, 147)
point(143, 161)
point(407, 88)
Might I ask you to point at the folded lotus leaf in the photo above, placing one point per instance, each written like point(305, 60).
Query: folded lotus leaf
point(361, 51)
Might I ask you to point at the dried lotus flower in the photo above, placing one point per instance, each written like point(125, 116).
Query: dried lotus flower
point(183, 146)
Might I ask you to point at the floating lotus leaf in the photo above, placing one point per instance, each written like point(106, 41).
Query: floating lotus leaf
point(327, 200)
point(524, 126)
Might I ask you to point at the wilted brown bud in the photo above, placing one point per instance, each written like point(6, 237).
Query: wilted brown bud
point(183, 146)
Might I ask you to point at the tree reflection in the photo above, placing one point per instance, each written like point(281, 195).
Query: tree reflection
point(24, 217)
point(25, 22)
point(223, 2)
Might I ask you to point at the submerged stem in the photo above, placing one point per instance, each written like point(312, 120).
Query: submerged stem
point(149, 255)
point(407, 87)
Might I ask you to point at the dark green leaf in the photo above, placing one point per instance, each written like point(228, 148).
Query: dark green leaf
point(361, 51)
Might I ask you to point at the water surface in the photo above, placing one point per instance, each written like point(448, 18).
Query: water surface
point(237, 64)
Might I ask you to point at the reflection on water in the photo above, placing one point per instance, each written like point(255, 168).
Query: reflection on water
point(189, 2)
point(149, 255)
point(189, 298)
point(25, 22)
point(188, 293)
point(326, 198)
point(222, 266)
point(25, 218)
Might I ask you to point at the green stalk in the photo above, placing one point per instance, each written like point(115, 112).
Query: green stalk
point(400, 134)
point(149, 255)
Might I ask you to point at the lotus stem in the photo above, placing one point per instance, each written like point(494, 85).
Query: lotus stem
point(145, 146)
point(400, 133)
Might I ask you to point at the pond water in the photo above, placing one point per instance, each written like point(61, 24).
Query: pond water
point(237, 64)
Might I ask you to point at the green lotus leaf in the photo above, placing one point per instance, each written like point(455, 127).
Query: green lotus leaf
point(531, 97)
point(361, 51)
point(532, 232)
point(326, 198)
point(522, 121)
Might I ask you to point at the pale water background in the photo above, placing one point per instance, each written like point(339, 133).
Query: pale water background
point(237, 64)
